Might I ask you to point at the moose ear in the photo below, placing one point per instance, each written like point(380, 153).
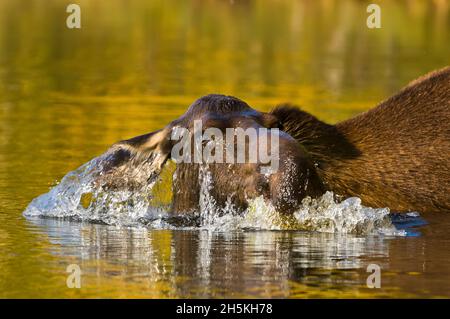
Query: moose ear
point(155, 146)
point(146, 142)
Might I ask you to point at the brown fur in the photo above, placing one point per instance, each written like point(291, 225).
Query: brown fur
point(395, 155)
point(236, 183)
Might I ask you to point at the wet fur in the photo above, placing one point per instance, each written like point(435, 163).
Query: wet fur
point(234, 184)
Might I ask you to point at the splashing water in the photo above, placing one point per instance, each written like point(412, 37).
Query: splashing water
point(87, 194)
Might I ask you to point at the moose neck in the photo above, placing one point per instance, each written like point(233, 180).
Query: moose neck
point(331, 150)
point(324, 143)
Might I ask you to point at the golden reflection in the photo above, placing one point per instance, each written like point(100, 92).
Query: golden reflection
point(66, 95)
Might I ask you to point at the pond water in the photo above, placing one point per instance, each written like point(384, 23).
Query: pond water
point(67, 95)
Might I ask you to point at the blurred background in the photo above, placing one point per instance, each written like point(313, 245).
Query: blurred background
point(67, 94)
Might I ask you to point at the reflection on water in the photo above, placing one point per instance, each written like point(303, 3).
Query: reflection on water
point(203, 263)
point(137, 262)
point(66, 95)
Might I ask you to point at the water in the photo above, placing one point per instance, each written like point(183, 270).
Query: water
point(67, 95)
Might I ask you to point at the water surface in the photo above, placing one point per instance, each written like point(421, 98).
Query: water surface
point(66, 95)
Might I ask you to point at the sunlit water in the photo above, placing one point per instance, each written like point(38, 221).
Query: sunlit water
point(67, 95)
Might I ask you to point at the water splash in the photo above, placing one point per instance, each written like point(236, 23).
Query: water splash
point(94, 193)
point(87, 194)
